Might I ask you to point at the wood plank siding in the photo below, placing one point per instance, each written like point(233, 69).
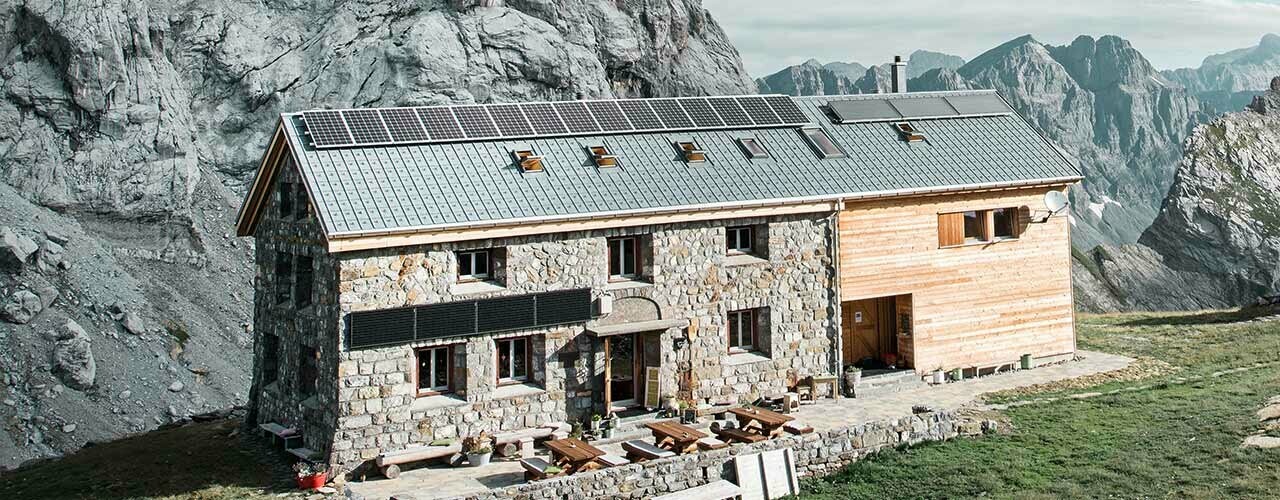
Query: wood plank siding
point(976, 304)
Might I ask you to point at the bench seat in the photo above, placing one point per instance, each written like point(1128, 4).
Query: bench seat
point(611, 460)
point(719, 490)
point(797, 428)
point(536, 468)
point(709, 443)
point(305, 454)
point(638, 450)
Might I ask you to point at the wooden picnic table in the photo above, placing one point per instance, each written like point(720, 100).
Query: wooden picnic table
point(574, 455)
point(768, 422)
point(671, 435)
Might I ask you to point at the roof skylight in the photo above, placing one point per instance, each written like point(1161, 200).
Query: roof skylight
point(527, 160)
point(602, 157)
point(908, 132)
point(821, 142)
point(690, 151)
point(753, 148)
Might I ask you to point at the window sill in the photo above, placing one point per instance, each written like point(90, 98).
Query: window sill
point(436, 402)
point(473, 287)
point(311, 403)
point(518, 390)
point(744, 358)
point(743, 259)
point(624, 284)
point(980, 243)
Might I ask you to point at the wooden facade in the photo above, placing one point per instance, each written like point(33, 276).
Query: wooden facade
point(967, 305)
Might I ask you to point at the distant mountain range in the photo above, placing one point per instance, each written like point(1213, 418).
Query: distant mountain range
point(1226, 82)
point(816, 78)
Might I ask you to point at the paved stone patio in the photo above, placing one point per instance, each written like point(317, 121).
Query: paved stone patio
point(439, 481)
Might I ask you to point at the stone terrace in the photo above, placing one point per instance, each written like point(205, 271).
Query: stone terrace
point(887, 414)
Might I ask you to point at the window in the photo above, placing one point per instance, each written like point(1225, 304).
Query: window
point(474, 265)
point(308, 370)
point(738, 240)
point(286, 199)
point(302, 282)
point(742, 331)
point(528, 162)
point(602, 157)
point(301, 209)
point(821, 143)
point(753, 148)
point(513, 360)
point(624, 259)
point(284, 275)
point(975, 226)
point(1005, 223)
point(270, 358)
point(690, 152)
point(435, 366)
point(908, 132)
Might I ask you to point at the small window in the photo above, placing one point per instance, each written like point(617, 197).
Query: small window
point(624, 258)
point(742, 331)
point(690, 152)
point(284, 276)
point(975, 226)
point(528, 162)
point(286, 192)
point(434, 369)
point(602, 157)
point(739, 240)
point(301, 205)
point(753, 148)
point(270, 358)
point(513, 360)
point(1005, 223)
point(908, 132)
point(302, 282)
point(308, 370)
point(475, 265)
point(821, 143)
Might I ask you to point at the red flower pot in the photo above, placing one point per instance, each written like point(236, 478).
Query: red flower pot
point(311, 482)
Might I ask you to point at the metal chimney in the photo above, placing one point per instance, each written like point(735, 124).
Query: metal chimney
point(899, 75)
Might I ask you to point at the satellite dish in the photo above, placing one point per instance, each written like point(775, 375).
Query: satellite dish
point(1055, 201)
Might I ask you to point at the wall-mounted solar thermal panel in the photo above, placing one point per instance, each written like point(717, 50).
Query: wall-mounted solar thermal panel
point(366, 126)
point(609, 116)
point(510, 120)
point(923, 107)
point(475, 122)
point(700, 112)
point(576, 117)
point(504, 313)
point(979, 104)
point(566, 306)
point(450, 319)
point(640, 114)
point(544, 119)
point(327, 128)
point(864, 110)
point(759, 111)
point(786, 109)
point(404, 125)
point(671, 113)
point(382, 327)
point(440, 123)
point(729, 110)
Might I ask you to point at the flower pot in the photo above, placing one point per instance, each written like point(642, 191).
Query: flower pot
point(595, 426)
point(312, 482)
point(608, 432)
point(689, 416)
point(852, 378)
point(939, 377)
point(479, 459)
point(957, 375)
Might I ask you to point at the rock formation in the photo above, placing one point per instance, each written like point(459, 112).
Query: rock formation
point(1226, 82)
point(815, 78)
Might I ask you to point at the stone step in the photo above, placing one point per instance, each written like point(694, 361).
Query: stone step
point(888, 383)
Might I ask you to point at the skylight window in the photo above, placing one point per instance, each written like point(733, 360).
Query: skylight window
point(527, 160)
point(753, 148)
point(602, 157)
point(691, 152)
point(908, 132)
point(821, 143)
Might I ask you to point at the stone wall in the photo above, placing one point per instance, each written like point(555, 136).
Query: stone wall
point(816, 454)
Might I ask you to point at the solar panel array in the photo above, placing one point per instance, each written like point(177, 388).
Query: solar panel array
point(374, 127)
point(917, 108)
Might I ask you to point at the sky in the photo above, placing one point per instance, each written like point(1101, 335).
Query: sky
point(772, 34)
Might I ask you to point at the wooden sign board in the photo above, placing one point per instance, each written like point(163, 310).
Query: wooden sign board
point(651, 390)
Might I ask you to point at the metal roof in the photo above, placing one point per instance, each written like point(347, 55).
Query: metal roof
point(403, 188)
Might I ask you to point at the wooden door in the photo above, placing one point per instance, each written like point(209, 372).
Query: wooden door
point(860, 320)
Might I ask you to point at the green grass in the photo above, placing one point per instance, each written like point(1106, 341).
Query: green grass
point(1168, 441)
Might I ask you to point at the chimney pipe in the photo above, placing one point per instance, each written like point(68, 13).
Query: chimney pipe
point(899, 75)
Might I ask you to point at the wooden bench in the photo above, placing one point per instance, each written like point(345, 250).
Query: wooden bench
point(740, 436)
point(305, 454)
point(285, 434)
point(390, 462)
point(710, 443)
point(796, 428)
point(640, 451)
point(507, 443)
point(537, 469)
point(719, 490)
point(612, 461)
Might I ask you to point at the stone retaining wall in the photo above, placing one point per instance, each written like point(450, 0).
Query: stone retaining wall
point(816, 454)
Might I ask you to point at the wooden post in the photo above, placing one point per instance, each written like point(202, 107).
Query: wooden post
point(608, 377)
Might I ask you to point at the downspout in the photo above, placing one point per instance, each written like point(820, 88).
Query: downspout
point(836, 357)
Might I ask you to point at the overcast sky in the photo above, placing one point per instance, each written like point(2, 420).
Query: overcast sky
point(772, 34)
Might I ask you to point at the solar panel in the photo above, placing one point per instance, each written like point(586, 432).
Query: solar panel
point(366, 126)
point(440, 123)
point(510, 120)
point(786, 109)
point(576, 117)
point(640, 114)
point(979, 104)
point(850, 111)
point(608, 115)
point(759, 111)
point(730, 111)
point(544, 119)
point(923, 107)
point(671, 114)
point(475, 121)
point(701, 113)
point(404, 125)
point(327, 128)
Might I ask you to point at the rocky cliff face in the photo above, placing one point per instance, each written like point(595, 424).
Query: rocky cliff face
point(815, 78)
point(1226, 82)
point(128, 129)
point(1216, 240)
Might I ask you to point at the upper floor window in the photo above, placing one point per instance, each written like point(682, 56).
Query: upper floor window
point(742, 331)
point(286, 192)
point(624, 258)
point(977, 226)
point(434, 370)
point(302, 206)
point(475, 265)
point(308, 370)
point(1004, 223)
point(303, 273)
point(270, 358)
point(739, 240)
point(284, 276)
point(513, 360)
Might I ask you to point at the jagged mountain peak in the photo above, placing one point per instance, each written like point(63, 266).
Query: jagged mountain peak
point(1023, 47)
point(1104, 62)
point(812, 62)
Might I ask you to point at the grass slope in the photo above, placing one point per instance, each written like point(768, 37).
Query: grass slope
point(1168, 441)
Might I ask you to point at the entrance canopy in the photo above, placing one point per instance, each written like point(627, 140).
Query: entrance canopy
point(636, 327)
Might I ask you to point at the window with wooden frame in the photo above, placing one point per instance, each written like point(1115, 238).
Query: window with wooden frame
point(602, 157)
point(302, 283)
point(739, 240)
point(624, 258)
point(284, 277)
point(741, 330)
point(475, 265)
point(527, 160)
point(433, 372)
point(908, 132)
point(286, 192)
point(1004, 223)
point(690, 152)
point(977, 226)
point(270, 358)
point(513, 360)
point(752, 148)
point(308, 370)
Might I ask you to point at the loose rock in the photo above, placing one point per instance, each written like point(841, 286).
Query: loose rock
point(133, 323)
point(176, 386)
point(15, 250)
point(21, 307)
point(73, 361)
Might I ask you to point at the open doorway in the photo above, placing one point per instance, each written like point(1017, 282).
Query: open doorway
point(876, 333)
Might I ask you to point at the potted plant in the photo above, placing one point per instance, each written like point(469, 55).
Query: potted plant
point(939, 376)
point(957, 375)
point(595, 423)
point(852, 376)
point(688, 412)
point(607, 428)
point(310, 476)
point(478, 449)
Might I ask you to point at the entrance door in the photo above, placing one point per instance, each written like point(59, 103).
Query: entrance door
point(624, 360)
point(868, 329)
